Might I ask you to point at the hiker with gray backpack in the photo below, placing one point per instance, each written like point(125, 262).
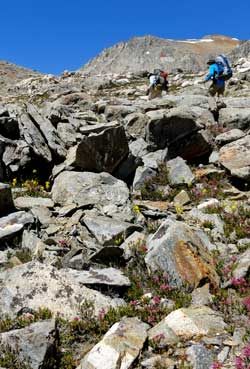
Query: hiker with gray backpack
point(219, 72)
point(157, 83)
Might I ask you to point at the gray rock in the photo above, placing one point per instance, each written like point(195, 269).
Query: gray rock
point(179, 172)
point(162, 335)
point(153, 159)
point(196, 100)
point(211, 218)
point(235, 117)
point(113, 112)
point(9, 127)
point(133, 240)
point(141, 175)
point(36, 285)
point(236, 155)
point(34, 137)
point(135, 124)
point(84, 189)
point(120, 346)
point(101, 151)
point(243, 173)
point(182, 198)
point(48, 131)
point(67, 134)
point(3, 257)
point(238, 102)
point(17, 155)
point(10, 230)
point(6, 201)
point(42, 214)
point(173, 246)
point(127, 167)
point(76, 262)
point(214, 157)
point(28, 202)
point(106, 255)
point(199, 357)
point(165, 128)
point(86, 130)
point(35, 344)
point(100, 277)
point(107, 231)
point(201, 296)
point(196, 321)
point(56, 112)
point(230, 136)
point(243, 264)
point(222, 356)
point(193, 146)
point(14, 223)
point(33, 243)
point(138, 148)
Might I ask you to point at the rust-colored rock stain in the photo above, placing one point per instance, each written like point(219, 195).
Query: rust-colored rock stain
point(189, 265)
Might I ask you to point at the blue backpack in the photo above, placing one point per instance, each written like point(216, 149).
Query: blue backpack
point(224, 69)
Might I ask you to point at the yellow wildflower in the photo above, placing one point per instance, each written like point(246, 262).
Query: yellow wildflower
point(47, 185)
point(178, 209)
point(136, 209)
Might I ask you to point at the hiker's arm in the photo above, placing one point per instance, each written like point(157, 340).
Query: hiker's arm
point(210, 74)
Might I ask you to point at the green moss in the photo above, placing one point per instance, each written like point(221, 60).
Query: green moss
point(22, 321)
point(9, 359)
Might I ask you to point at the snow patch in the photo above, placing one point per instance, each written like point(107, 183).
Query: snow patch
point(195, 41)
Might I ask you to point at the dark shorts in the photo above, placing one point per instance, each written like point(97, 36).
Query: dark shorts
point(215, 89)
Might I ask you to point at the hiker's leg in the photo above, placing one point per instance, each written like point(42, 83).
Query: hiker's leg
point(151, 92)
point(212, 99)
point(220, 102)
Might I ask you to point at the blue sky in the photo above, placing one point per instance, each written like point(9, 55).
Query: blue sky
point(51, 35)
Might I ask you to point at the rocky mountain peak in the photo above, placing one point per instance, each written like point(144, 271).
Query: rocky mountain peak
point(149, 52)
point(10, 74)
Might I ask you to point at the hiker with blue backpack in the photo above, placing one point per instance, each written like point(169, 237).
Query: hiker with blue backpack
point(219, 72)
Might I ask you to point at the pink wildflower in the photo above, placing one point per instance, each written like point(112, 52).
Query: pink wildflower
point(239, 363)
point(101, 314)
point(156, 300)
point(226, 301)
point(216, 365)
point(151, 319)
point(165, 287)
point(63, 243)
point(227, 270)
point(246, 302)
point(166, 276)
point(246, 351)
point(28, 316)
point(238, 281)
point(144, 249)
point(155, 279)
